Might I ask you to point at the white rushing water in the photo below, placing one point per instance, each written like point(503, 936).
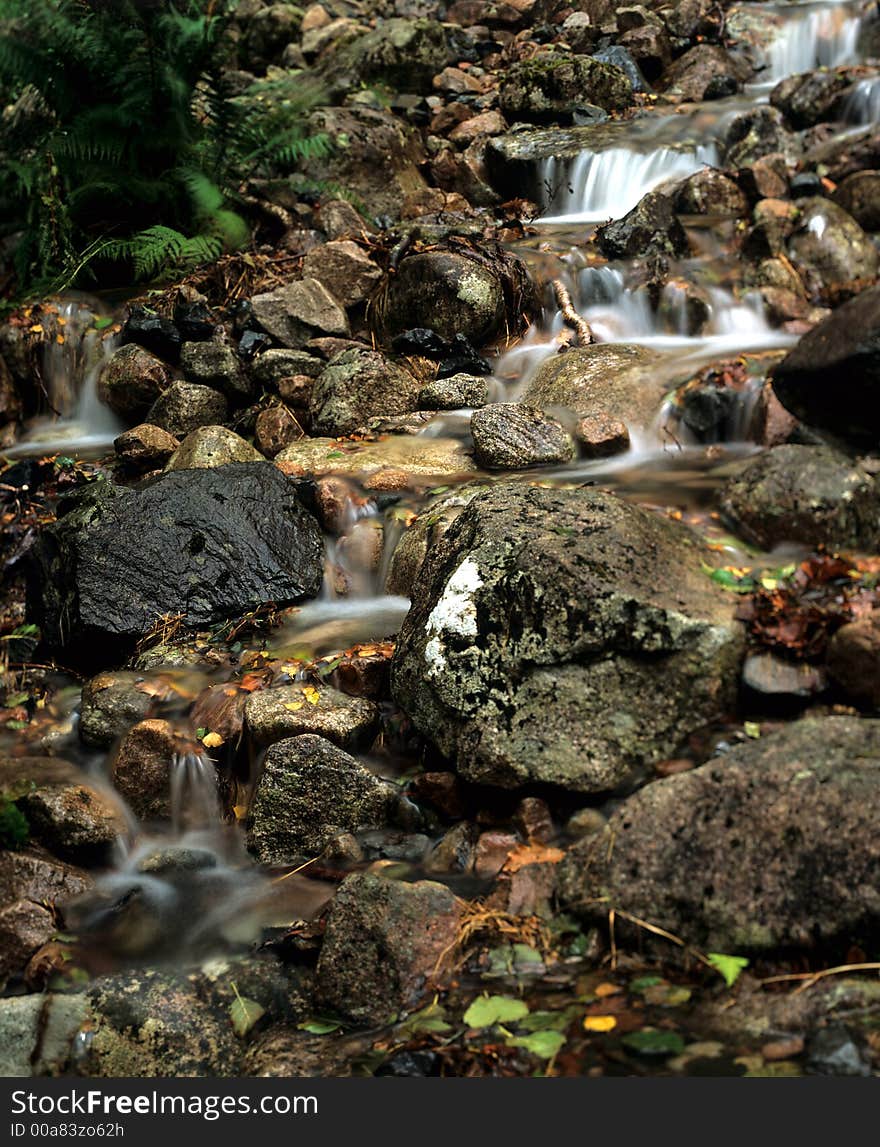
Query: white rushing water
point(813, 36)
point(862, 105)
point(599, 185)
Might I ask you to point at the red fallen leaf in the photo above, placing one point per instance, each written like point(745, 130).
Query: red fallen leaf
point(251, 682)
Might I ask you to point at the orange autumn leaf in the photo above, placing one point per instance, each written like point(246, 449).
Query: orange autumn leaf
point(532, 854)
point(250, 682)
point(599, 1023)
point(605, 990)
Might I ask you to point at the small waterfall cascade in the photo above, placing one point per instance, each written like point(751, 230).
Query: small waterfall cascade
point(862, 105)
point(817, 36)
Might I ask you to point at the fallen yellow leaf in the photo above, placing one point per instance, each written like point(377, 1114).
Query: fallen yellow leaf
point(294, 706)
point(212, 740)
point(311, 694)
point(599, 1023)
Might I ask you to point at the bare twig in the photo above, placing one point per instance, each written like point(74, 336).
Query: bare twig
point(577, 322)
point(808, 979)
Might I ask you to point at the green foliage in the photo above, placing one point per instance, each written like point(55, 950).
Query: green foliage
point(14, 828)
point(654, 1041)
point(486, 1011)
point(122, 142)
point(730, 967)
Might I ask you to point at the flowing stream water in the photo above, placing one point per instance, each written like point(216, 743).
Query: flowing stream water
point(222, 897)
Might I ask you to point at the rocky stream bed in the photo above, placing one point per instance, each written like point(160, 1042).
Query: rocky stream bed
point(442, 639)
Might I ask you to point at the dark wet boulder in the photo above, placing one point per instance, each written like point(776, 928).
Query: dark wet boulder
point(831, 379)
point(158, 335)
point(859, 196)
point(605, 653)
point(711, 192)
point(200, 544)
point(651, 226)
point(691, 75)
point(808, 494)
point(812, 97)
point(384, 945)
point(131, 381)
point(309, 790)
point(844, 153)
point(553, 84)
point(476, 294)
point(770, 846)
point(357, 385)
point(510, 436)
point(756, 133)
point(621, 56)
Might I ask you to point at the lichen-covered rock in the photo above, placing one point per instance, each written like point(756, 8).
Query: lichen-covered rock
point(570, 670)
point(185, 406)
point(131, 381)
point(651, 226)
point(395, 463)
point(357, 385)
point(829, 247)
point(510, 436)
point(831, 379)
point(308, 791)
point(384, 945)
point(299, 311)
point(757, 133)
point(711, 192)
point(553, 84)
point(770, 846)
point(404, 54)
point(217, 365)
point(808, 494)
point(207, 544)
point(291, 710)
point(423, 534)
point(111, 703)
point(812, 97)
point(64, 810)
point(211, 446)
point(613, 379)
point(459, 391)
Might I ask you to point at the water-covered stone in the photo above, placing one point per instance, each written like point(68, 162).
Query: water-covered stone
point(831, 379)
point(573, 669)
point(384, 945)
point(357, 385)
point(769, 846)
point(808, 494)
point(309, 790)
point(651, 226)
point(202, 545)
point(510, 436)
point(394, 463)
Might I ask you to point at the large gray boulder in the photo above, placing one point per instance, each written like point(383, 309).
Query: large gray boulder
point(359, 384)
point(563, 636)
point(773, 845)
point(208, 544)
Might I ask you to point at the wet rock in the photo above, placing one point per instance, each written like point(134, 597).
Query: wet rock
point(404, 54)
point(812, 97)
point(65, 812)
point(843, 154)
point(141, 770)
point(455, 851)
point(24, 927)
point(340, 220)
point(572, 670)
point(551, 84)
point(460, 391)
point(118, 560)
point(854, 659)
point(859, 196)
point(830, 246)
point(155, 334)
point(308, 791)
point(144, 448)
point(357, 385)
point(711, 192)
point(285, 711)
point(447, 293)
point(209, 447)
point(651, 226)
point(699, 853)
point(382, 946)
point(491, 853)
point(37, 1033)
point(834, 1051)
point(775, 221)
point(32, 874)
point(478, 127)
point(831, 379)
point(299, 311)
point(344, 269)
point(422, 535)
point(111, 703)
point(766, 178)
point(601, 436)
point(757, 133)
point(215, 364)
point(620, 57)
point(649, 48)
point(131, 382)
point(274, 429)
point(808, 494)
point(612, 379)
point(185, 406)
point(192, 316)
point(510, 436)
point(691, 74)
point(533, 820)
point(395, 463)
point(776, 679)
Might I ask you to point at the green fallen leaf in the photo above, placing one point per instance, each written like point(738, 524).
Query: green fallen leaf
point(102, 322)
point(544, 1043)
point(641, 982)
point(488, 1010)
point(320, 1027)
point(752, 729)
point(654, 1041)
point(244, 1013)
point(730, 967)
point(429, 1019)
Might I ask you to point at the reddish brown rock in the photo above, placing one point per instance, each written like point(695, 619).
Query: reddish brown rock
point(276, 428)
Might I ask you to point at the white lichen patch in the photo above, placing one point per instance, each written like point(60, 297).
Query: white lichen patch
point(454, 614)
